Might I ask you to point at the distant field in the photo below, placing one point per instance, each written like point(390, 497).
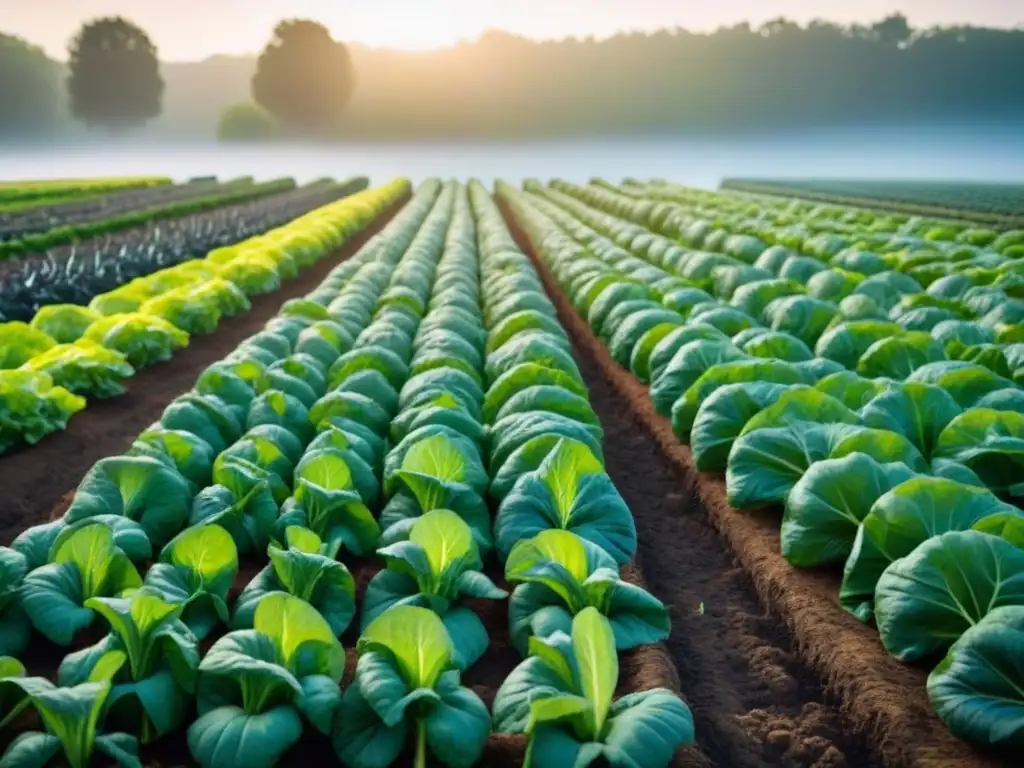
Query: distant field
point(989, 203)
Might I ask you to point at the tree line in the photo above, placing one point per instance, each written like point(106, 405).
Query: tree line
point(742, 78)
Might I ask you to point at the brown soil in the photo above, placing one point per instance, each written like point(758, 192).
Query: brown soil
point(35, 478)
point(761, 687)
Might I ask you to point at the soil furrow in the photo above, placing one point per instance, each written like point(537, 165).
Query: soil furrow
point(35, 478)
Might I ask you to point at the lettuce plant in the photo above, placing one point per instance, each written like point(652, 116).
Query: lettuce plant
point(138, 487)
point(327, 502)
point(405, 684)
point(15, 628)
point(569, 491)
point(306, 568)
point(31, 407)
point(196, 570)
point(256, 685)
point(71, 717)
point(559, 574)
point(437, 566)
point(85, 368)
point(142, 339)
point(85, 565)
point(562, 697)
point(151, 658)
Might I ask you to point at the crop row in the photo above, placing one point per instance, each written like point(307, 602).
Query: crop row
point(905, 242)
point(847, 397)
point(77, 272)
point(70, 352)
point(45, 191)
point(992, 202)
point(425, 382)
point(37, 232)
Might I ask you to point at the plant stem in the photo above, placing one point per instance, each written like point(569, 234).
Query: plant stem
point(421, 744)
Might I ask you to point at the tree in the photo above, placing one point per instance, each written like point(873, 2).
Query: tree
point(29, 89)
point(892, 30)
point(115, 77)
point(245, 121)
point(304, 77)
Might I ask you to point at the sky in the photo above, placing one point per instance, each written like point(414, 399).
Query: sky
point(189, 30)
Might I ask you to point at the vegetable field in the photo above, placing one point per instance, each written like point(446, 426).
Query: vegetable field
point(371, 475)
point(996, 204)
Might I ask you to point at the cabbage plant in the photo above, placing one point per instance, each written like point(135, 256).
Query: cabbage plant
point(406, 687)
point(149, 655)
point(437, 565)
point(901, 520)
point(256, 686)
point(306, 568)
point(562, 696)
point(196, 570)
point(559, 574)
point(87, 564)
point(926, 600)
point(978, 688)
point(571, 491)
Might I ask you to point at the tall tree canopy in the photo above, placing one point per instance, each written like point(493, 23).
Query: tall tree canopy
point(304, 77)
point(115, 79)
point(29, 89)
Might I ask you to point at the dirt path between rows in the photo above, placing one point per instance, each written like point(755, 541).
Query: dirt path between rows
point(34, 478)
point(754, 681)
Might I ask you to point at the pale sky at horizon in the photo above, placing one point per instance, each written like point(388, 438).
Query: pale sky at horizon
point(186, 30)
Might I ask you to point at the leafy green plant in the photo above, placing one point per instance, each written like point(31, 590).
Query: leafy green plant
point(84, 367)
point(327, 502)
point(306, 568)
point(902, 519)
point(38, 542)
point(571, 491)
point(559, 574)
point(15, 628)
point(562, 697)
point(84, 565)
point(138, 487)
point(825, 507)
point(978, 688)
point(926, 600)
point(196, 570)
point(71, 717)
point(406, 683)
point(142, 339)
point(150, 657)
point(256, 685)
point(31, 407)
point(437, 565)
point(435, 468)
point(242, 503)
